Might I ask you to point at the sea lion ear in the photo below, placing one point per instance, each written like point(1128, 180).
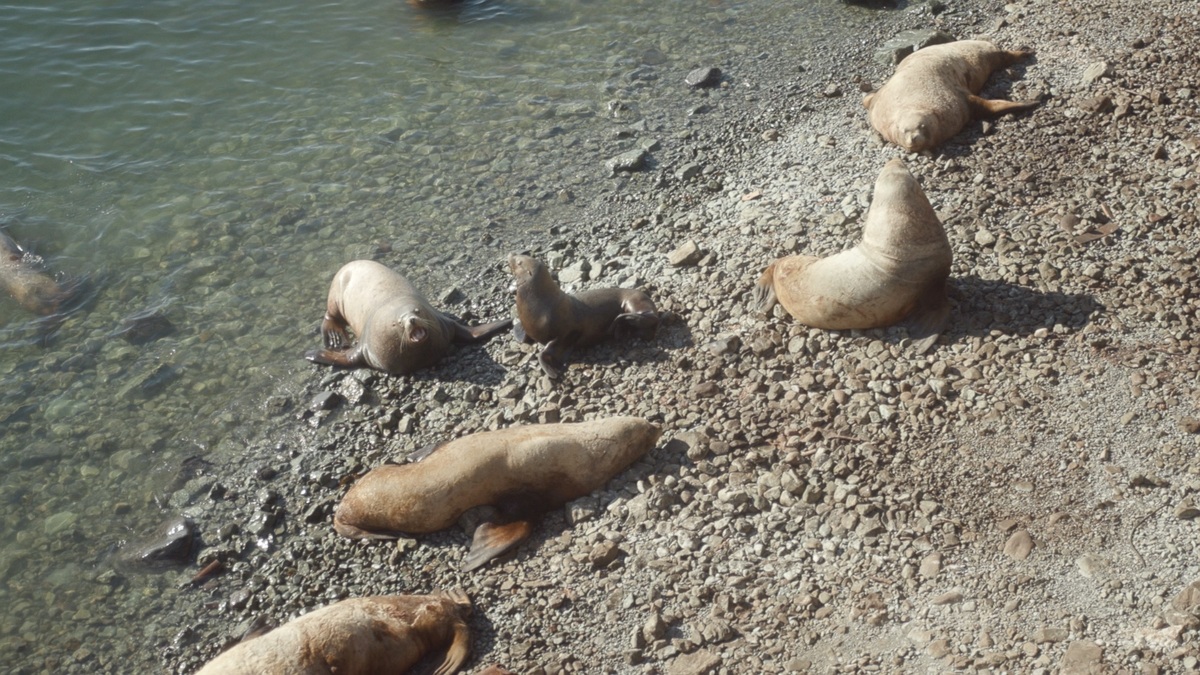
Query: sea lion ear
point(493, 540)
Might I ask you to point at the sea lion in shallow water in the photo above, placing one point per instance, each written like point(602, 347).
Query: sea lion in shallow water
point(523, 471)
point(22, 277)
point(934, 93)
point(398, 330)
point(897, 271)
point(359, 636)
point(561, 321)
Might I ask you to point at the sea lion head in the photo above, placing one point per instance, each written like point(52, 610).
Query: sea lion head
point(526, 269)
point(914, 130)
point(414, 326)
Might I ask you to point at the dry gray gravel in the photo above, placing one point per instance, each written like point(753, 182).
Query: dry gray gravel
point(1020, 499)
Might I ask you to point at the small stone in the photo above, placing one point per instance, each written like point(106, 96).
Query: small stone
point(948, 598)
point(703, 77)
point(1089, 565)
point(931, 565)
point(604, 554)
point(1097, 105)
point(654, 628)
point(634, 160)
point(686, 255)
point(984, 238)
point(1186, 509)
point(1188, 599)
point(832, 91)
point(699, 662)
point(1049, 635)
point(1096, 71)
point(1083, 657)
point(1190, 424)
point(938, 648)
point(688, 172)
point(1019, 545)
point(326, 400)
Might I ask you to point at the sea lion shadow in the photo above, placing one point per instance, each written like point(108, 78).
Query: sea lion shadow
point(986, 305)
point(465, 363)
point(671, 335)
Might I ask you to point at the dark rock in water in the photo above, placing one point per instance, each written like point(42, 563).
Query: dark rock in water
point(173, 544)
point(895, 50)
point(703, 77)
point(326, 400)
point(145, 326)
point(149, 383)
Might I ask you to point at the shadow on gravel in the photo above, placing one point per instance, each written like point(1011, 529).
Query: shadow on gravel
point(983, 306)
point(671, 336)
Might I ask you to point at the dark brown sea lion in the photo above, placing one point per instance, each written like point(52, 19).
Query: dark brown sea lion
point(897, 271)
point(934, 93)
point(523, 471)
point(359, 636)
point(561, 321)
point(22, 277)
point(398, 330)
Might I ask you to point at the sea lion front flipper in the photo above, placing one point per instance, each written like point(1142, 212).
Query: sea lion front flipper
point(473, 334)
point(551, 357)
point(928, 318)
point(333, 330)
point(347, 358)
point(493, 540)
point(763, 295)
point(990, 107)
point(459, 649)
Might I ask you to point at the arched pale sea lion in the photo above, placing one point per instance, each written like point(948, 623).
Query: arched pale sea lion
point(359, 636)
point(522, 471)
point(934, 93)
point(560, 321)
point(398, 330)
point(897, 271)
point(22, 277)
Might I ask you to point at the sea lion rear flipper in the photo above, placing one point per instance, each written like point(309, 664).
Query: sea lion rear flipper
point(988, 107)
point(348, 358)
point(643, 325)
point(928, 318)
point(472, 334)
point(763, 295)
point(493, 540)
point(459, 649)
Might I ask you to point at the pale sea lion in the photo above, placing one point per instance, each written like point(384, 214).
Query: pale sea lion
point(897, 271)
point(398, 330)
point(933, 93)
point(522, 471)
point(359, 636)
point(22, 277)
point(561, 321)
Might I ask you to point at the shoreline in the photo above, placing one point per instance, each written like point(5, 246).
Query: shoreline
point(801, 509)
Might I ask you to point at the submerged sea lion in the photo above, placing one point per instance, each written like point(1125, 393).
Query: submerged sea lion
point(523, 471)
point(22, 277)
point(898, 270)
point(561, 321)
point(933, 93)
point(359, 636)
point(398, 330)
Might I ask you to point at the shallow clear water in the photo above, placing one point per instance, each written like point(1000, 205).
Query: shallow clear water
point(216, 162)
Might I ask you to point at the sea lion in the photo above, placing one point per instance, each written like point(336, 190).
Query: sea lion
point(398, 330)
point(933, 93)
point(522, 471)
point(561, 321)
point(383, 634)
point(897, 271)
point(22, 277)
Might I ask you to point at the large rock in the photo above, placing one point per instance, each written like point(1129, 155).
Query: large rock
point(172, 544)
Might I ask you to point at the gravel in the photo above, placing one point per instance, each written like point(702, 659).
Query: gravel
point(1020, 497)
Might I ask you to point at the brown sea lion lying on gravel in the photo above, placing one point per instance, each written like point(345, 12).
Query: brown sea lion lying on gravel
point(523, 471)
point(22, 277)
point(561, 321)
point(897, 271)
point(398, 330)
point(359, 636)
point(933, 93)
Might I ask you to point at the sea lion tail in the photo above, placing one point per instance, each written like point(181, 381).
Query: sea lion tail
point(763, 295)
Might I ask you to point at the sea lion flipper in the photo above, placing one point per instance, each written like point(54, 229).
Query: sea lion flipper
point(493, 540)
point(459, 649)
point(763, 295)
point(473, 334)
point(348, 358)
point(551, 357)
point(520, 335)
point(635, 324)
point(989, 107)
point(927, 320)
